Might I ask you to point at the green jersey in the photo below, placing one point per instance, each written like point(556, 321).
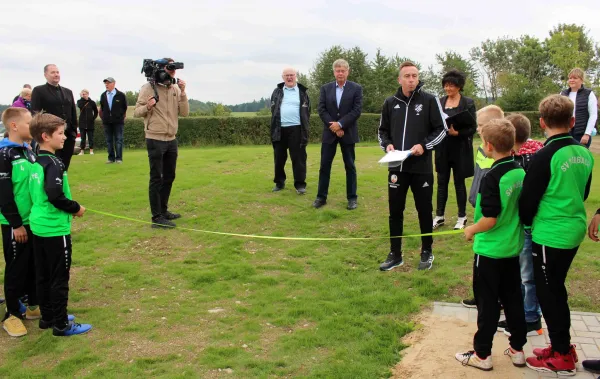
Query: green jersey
point(15, 166)
point(53, 208)
point(557, 183)
point(498, 198)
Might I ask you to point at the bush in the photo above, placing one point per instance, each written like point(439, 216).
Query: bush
point(203, 131)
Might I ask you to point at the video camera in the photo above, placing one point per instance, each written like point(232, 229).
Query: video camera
point(155, 70)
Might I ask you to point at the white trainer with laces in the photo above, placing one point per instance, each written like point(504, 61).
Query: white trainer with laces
point(438, 221)
point(470, 358)
point(461, 223)
point(517, 357)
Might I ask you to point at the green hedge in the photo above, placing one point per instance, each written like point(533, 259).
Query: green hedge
point(199, 131)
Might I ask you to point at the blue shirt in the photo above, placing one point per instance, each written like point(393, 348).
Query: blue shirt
point(290, 107)
point(338, 94)
point(109, 97)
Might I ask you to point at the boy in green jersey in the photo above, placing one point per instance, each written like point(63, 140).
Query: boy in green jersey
point(557, 183)
point(50, 221)
point(498, 235)
point(16, 160)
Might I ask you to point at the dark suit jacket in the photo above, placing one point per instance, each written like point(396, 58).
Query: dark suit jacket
point(347, 114)
point(46, 98)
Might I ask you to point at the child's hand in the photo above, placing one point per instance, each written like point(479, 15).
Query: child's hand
point(80, 212)
point(20, 234)
point(469, 233)
point(593, 228)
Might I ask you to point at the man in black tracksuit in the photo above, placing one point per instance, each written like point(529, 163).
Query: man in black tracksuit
point(411, 120)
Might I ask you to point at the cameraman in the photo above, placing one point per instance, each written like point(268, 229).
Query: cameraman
point(160, 127)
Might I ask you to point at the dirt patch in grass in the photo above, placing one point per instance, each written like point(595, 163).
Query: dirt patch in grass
point(432, 347)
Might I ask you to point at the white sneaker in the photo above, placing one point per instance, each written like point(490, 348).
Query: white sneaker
point(461, 222)
point(91, 152)
point(80, 153)
point(471, 359)
point(438, 221)
point(517, 357)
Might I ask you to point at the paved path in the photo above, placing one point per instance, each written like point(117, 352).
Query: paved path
point(585, 334)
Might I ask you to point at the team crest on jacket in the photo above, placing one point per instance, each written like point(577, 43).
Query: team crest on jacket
point(418, 108)
point(394, 178)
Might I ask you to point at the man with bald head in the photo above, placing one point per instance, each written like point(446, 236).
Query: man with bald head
point(59, 101)
point(290, 119)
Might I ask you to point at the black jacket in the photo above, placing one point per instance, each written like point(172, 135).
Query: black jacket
point(58, 101)
point(347, 114)
point(408, 121)
point(116, 114)
point(582, 114)
point(276, 100)
point(88, 112)
point(461, 144)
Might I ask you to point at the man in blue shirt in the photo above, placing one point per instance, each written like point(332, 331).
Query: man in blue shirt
point(290, 119)
point(113, 110)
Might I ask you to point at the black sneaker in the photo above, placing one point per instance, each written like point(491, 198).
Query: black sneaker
point(502, 325)
point(426, 260)
point(592, 365)
point(301, 191)
point(469, 303)
point(171, 216)
point(533, 329)
point(391, 262)
point(162, 223)
point(319, 202)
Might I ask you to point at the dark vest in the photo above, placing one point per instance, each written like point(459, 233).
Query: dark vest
point(582, 114)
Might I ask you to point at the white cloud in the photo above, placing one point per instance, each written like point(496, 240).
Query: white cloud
point(234, 50)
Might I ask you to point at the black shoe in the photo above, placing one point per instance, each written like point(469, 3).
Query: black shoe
point(469, 303)
point(162, 223)
point(171, 216)
point(592, 365)
point(45, 324)
point(393, 260)
point(301, 191)
point(533, 328)
point(278, 188)
point(318, 203)
point(352, 204)
point(502, 325)
point(426, 260)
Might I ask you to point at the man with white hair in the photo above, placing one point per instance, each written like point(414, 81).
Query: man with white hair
point(290, 120)
point(340, 106)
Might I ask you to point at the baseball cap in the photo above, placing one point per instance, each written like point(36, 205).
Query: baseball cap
point(110, 79)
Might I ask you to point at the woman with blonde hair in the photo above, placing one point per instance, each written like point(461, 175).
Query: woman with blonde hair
point(585, 110)
point(24, 99)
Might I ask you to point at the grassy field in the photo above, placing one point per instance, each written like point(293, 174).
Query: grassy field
point(174, 303)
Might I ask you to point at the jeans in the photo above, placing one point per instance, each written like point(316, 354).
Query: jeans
point(532, 307)
point(114, 141)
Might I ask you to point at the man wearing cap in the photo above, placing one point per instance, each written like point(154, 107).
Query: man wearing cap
point(113, 110)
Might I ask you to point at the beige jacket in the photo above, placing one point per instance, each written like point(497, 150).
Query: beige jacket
point(161, 122)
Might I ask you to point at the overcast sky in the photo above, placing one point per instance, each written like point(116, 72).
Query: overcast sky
point(234, 50)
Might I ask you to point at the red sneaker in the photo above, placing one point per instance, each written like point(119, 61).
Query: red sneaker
point(544, 353)
point(556, 363)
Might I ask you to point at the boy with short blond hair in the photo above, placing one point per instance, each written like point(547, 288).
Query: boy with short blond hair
point(482, 164)
point(16, 160)
point(498, 235)
point(51, 216)
point(557, 183)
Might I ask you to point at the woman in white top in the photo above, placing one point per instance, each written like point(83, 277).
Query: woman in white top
point(585, 110)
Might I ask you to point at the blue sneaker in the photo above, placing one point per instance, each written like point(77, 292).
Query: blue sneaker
point(72, 329)
point(48, 324)
point(22, 308)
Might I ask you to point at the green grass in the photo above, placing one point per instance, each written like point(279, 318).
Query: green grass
point(174, 303)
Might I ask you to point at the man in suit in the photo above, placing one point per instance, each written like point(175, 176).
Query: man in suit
point(340, 105)
point(59, 101)
point(113, 110)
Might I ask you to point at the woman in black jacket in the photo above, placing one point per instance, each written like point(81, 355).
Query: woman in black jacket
point(456, 150)
point(88, 114)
